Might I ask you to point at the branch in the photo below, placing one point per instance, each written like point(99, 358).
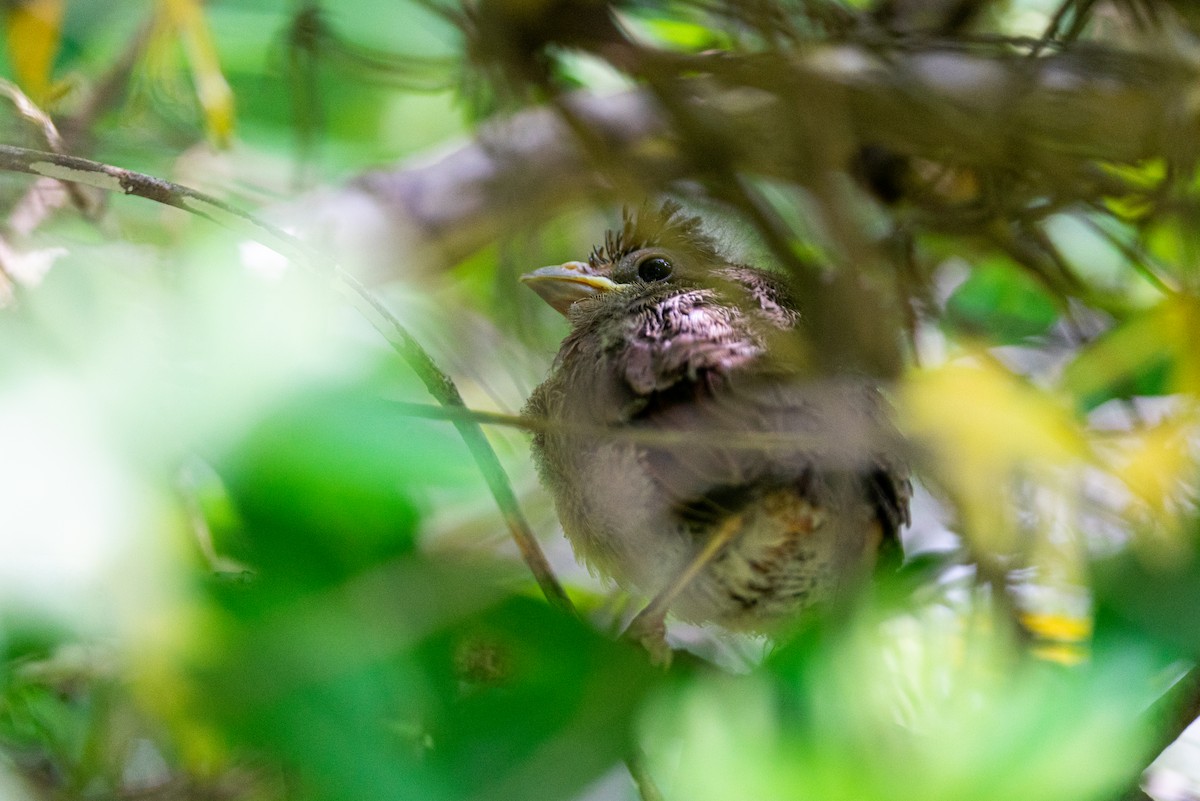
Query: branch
point(783, 440)
point(439, 385)
point(1050, 117)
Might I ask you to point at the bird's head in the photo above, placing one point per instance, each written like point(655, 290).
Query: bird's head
point(654, 248)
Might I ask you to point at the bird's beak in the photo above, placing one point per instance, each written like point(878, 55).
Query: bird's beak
point(560, 285)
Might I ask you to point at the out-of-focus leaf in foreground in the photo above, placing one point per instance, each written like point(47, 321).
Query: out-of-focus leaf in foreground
point(985, 427)
point(369, 669)
point(185, 19)
point(1152, 597)
point(923, 705)
point(34, 29)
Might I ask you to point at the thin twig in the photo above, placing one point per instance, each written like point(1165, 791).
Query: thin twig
point(54, 141)
point(72, 134)
point(443, 389)
point(1125, 108)
point(1137, 257)
point(1054, 30)
point(439, 385)
point(33, 113)
point(786, 440)
point(647, 789)
point(649, 621)
point(1082, 12)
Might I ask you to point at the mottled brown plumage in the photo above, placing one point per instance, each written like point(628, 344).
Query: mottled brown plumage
point(792, 475)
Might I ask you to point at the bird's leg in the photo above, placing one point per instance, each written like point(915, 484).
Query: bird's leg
point(649, 626)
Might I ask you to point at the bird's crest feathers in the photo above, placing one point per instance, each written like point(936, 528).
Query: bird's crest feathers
point(667, 227)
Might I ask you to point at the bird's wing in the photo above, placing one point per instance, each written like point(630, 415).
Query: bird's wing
point(753, 433)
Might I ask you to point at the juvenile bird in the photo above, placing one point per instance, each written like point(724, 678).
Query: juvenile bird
point(689, 455)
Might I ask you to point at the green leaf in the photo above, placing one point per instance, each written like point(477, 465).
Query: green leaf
point(1002, 303)
point(1157, 598)
point(531, 704)
point(931, 703)
point(419, 681)
point(1148, 354)
point(330, 484)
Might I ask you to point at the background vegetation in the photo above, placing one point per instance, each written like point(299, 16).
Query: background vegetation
point(251, 547)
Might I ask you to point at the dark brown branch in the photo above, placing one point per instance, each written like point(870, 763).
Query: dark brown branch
point(439, 385)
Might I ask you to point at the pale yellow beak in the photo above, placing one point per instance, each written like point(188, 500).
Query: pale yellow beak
point(560, 285)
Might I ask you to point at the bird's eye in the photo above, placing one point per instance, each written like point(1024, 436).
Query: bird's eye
point(655, 268)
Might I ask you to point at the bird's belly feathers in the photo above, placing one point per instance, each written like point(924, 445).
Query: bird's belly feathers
point(789, 552)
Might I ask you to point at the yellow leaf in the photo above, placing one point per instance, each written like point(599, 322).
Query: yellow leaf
point(1058, 627)
point(987, 426)
point(1148, 174)
point(1067, 654)
point(212, 90)
point(1186, 373)
point(985, 415)
point(1059, 637)
point(169, 641)
point(1143, 181)
point(1158, 462)
point(1168, 331)
point(34, 31)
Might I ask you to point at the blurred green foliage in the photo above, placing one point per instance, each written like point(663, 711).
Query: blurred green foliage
point(1000, 302)
point(231, 567)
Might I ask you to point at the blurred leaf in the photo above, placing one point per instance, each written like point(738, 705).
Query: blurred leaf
point(674, 32)
point(438, 684)
point(34, 32)
point(212, 90)
point(932, 705)
point(1001, 302)
point(1155, 598)
point(1143, 180)
point(537, 704)
point(57, 711)
point(985, 425)
point(1159, 460)
point(1150, 354)
point(1091, 253)
point(418, 681)
point(35, 717)
point(1058, 637)
point(313, 679)
point(343, 473)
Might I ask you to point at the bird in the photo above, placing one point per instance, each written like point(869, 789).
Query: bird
point(691, 455)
